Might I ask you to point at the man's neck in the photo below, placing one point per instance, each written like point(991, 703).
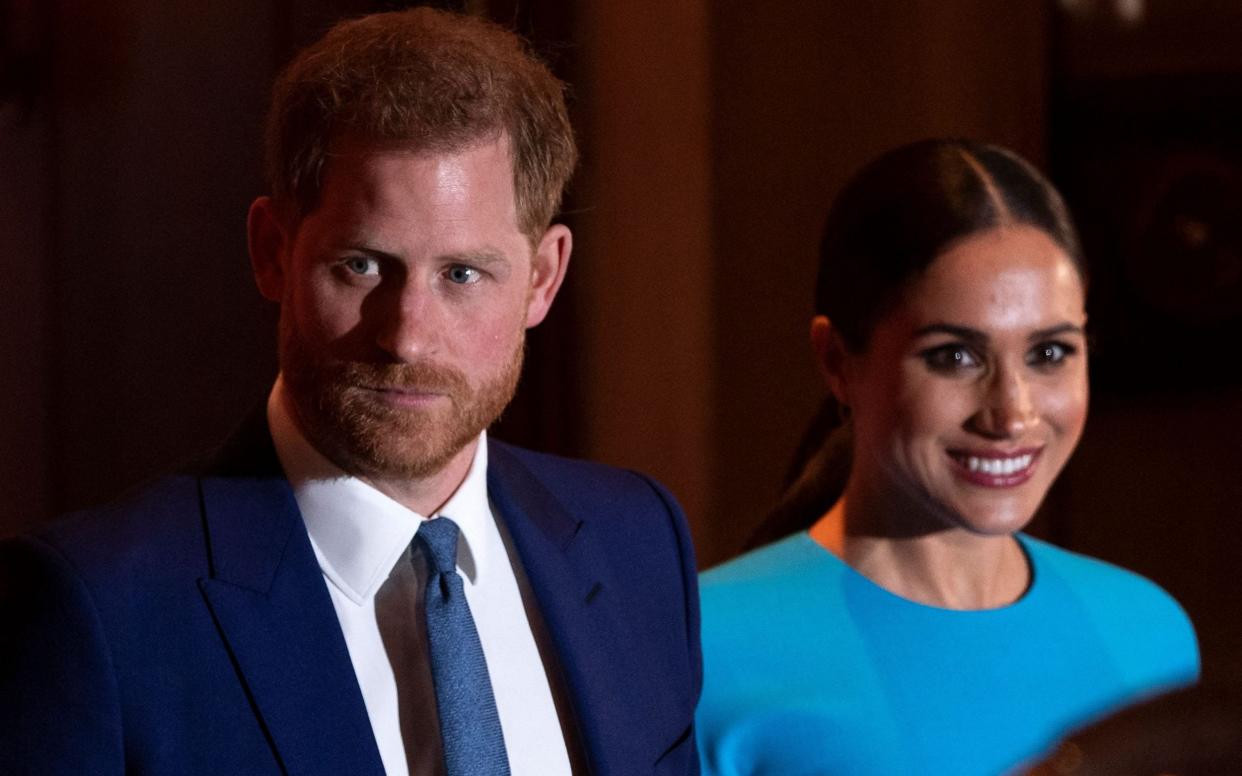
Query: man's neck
point(425, 495)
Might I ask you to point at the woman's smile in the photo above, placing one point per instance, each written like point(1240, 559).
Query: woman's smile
point(995, 469)
point(972, 392)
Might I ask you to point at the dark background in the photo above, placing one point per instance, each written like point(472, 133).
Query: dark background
point(714, 137)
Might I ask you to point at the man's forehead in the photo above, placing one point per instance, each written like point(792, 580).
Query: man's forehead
point(370, 190)
point(352, 146)
point(352, 151)
point(356, 161)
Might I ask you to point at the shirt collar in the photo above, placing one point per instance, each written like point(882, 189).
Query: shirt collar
point(358, 532)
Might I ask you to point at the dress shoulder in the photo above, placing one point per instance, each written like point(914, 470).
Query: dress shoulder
point(776, 563)
point(787, 586)
point(1149, 629)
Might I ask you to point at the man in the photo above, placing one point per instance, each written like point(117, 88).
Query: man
point(361, 581)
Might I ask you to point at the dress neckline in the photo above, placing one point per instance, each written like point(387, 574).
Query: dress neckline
point(866, 584)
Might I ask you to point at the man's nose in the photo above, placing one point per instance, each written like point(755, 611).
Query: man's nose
point(409, 322)
point(1008, 409)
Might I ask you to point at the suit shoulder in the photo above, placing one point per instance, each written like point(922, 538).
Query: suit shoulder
point(578, 480)
point(155, 527)
point(622, 508)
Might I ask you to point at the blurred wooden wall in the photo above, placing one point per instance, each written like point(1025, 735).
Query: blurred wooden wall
point(802, 98)
point(132, 335)
point(717, 134)
point(714, 137)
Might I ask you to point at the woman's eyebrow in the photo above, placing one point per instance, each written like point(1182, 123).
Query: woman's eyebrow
point(961, 332)
point(977, 336)
point(1058, 331)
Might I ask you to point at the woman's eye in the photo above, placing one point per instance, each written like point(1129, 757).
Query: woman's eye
point(361, 265)
point(1049, 353)
point(463, 275)
point(949, 358)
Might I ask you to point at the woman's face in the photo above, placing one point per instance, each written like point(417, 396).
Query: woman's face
point(972, 392)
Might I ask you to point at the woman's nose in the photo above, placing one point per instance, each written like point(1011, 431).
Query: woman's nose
point(1008, 409)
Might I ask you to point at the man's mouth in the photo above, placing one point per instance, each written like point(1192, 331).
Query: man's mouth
point(405, 395)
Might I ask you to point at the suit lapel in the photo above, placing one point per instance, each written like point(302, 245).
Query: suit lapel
point(269, 600)
point(567, 571)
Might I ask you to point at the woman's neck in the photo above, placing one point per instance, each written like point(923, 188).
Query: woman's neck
point(949, 568)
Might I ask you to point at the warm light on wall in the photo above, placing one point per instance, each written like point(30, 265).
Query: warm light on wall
point(1129, 12)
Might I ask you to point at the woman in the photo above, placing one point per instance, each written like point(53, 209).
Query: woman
point(913, 629)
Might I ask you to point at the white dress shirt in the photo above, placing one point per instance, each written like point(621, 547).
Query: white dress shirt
point(359, 536)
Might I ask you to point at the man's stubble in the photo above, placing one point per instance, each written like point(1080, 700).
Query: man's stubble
point(335, 406)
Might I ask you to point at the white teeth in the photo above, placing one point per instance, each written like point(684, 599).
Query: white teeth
point(1001, 466)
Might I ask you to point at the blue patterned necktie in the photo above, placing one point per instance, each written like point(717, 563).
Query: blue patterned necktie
point(469, 724)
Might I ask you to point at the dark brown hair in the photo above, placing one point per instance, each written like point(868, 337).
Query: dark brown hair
point(902, 211)
point(435, 80)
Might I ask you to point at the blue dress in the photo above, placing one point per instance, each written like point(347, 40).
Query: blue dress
point(811, 668)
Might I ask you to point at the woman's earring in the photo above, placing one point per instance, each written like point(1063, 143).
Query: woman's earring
point(844, 413)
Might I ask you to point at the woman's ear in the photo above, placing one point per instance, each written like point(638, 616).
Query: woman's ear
point(830, 356)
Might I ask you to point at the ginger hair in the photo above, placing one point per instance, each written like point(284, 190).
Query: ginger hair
point(429, 80)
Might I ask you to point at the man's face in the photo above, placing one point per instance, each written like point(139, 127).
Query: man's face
point(405, 296)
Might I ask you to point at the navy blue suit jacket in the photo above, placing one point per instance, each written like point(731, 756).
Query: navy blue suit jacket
point(190, 630)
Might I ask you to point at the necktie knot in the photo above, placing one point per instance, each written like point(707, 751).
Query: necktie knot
point(439, 539)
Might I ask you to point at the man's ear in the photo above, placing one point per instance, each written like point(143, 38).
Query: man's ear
point(831, 357)
point(547, 271)
point(269, 244)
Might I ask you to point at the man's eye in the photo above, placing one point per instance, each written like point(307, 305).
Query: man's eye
point(1050, 353)
point(949, 358)
point(463, 275)
point(361, 265)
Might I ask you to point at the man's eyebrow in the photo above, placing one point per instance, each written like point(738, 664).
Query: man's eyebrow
point(358, 247)
point(483, 258)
